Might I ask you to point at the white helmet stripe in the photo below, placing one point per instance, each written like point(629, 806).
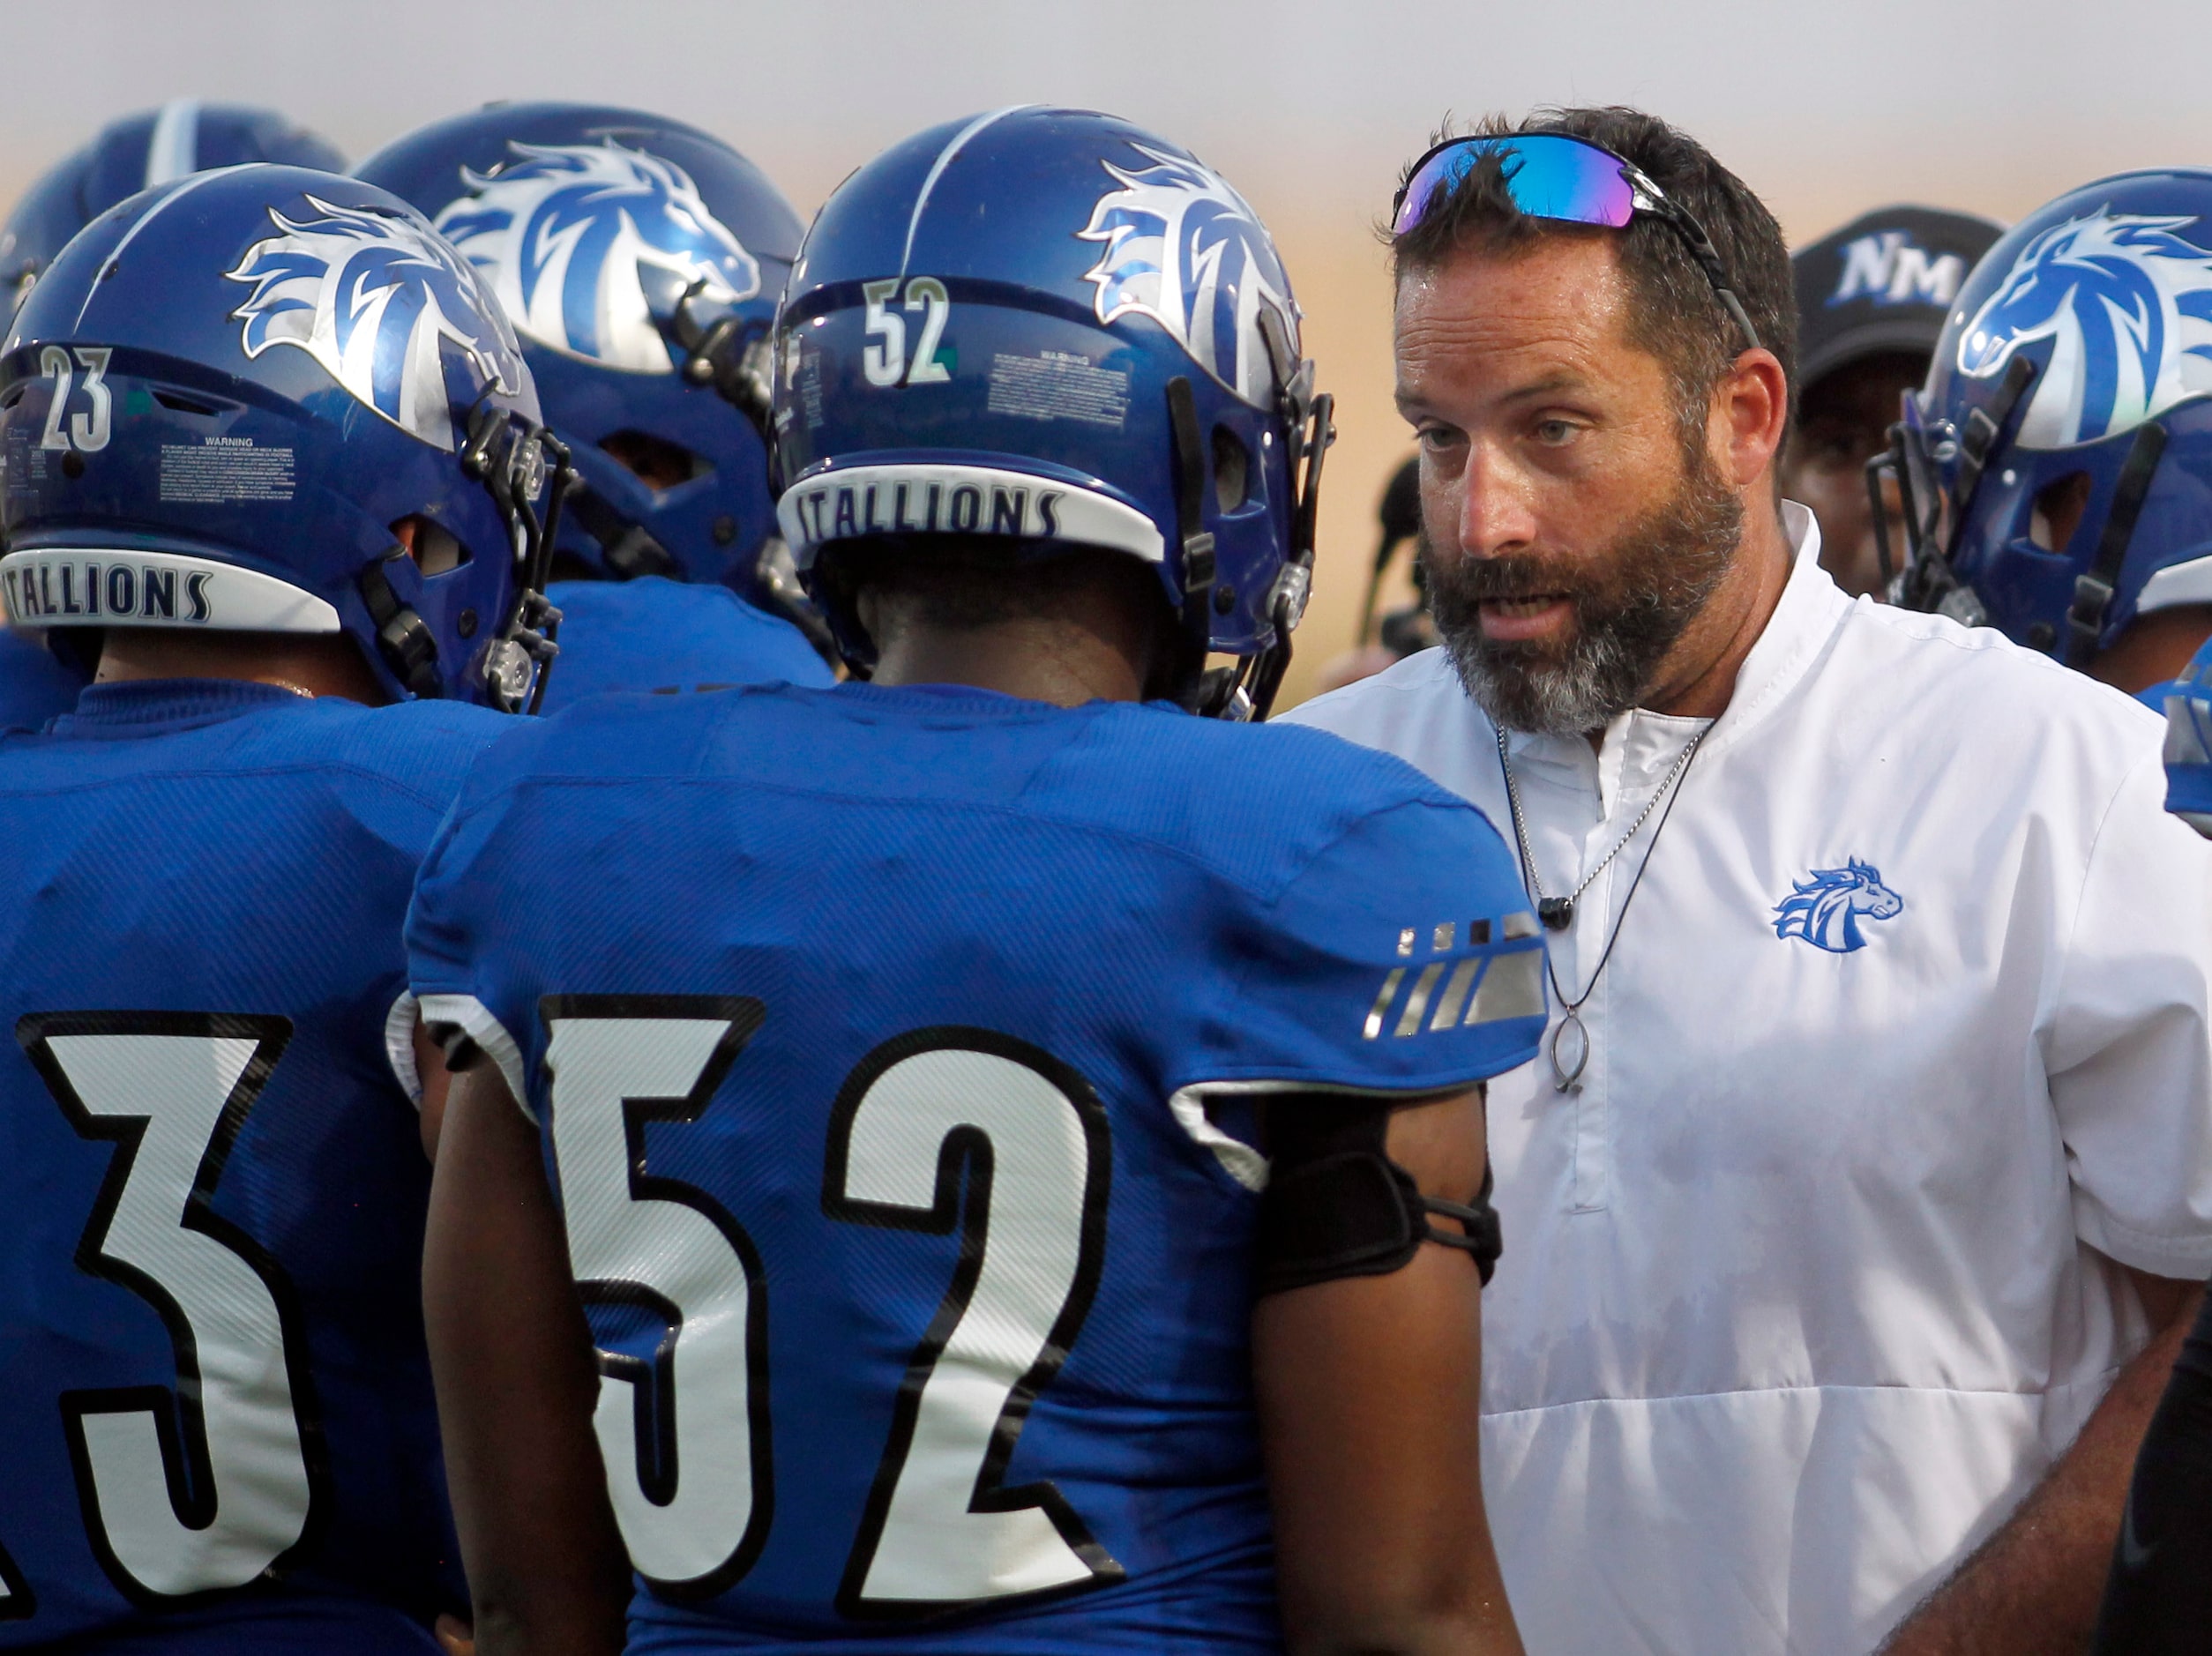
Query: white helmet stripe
point(944, 160)
point(172, 149)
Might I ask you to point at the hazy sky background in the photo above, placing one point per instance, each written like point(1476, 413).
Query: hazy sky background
point(1310, 108)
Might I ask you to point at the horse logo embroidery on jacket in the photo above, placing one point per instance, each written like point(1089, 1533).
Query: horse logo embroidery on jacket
point(1826, 909)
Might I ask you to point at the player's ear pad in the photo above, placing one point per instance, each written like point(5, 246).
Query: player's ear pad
point(1337, 1205)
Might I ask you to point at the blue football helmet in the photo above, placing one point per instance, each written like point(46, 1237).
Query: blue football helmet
point(2187, 703)
point(153, 147)
point(641, 260)
point(1051, 326)
point(2070, 386)
point(229, 400)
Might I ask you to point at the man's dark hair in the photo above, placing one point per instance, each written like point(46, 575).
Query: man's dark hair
point(1676, 315)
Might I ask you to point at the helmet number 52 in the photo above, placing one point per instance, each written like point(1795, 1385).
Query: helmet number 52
point(884, 358)
point(86, 432)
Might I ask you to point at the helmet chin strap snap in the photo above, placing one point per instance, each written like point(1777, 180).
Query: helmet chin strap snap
point(517, 463)
point(403, 637)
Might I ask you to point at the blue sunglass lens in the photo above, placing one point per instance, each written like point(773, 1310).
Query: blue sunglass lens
point(1549, 177)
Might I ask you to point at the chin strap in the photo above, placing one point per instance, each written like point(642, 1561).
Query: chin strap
point(2094, 587)
point(625, 546)
point(403, 637)
point(511, 462)
point(1202, 691)
point(517, 465)
point(723, 350)
point(1930, 582)
point(1308, 431)
point(777, 576)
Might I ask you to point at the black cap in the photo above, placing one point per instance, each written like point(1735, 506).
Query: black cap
point(1885, 281)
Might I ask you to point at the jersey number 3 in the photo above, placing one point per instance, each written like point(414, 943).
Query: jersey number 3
point(947, 1131)
point(206, 1485)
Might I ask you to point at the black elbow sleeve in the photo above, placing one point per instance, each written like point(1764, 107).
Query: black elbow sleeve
point(1336, 1205)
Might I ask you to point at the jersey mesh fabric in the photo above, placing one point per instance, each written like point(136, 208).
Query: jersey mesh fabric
point(205, 848)
point(666, 636)
point(1142, 902)
point(35, 685)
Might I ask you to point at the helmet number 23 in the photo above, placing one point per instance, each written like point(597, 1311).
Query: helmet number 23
point(948, 1132)
point(86, 432)
point(884, 358)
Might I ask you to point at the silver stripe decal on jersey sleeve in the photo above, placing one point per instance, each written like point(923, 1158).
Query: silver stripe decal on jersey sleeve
point(475, 1020)
point(1417, 1003)
point(172, 149)
point(1511, 989)
point(1447, 1009)
point(1373, 1026)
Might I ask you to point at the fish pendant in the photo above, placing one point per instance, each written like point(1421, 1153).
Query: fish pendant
point(1569, 1051)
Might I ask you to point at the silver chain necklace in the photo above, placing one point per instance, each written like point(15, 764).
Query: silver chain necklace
point(1557, 913)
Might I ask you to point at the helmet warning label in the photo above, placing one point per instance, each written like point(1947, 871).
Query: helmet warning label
point(222, 469)
point(1058, 386)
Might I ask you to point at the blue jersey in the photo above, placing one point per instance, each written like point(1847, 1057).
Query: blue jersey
point(214, 1391)
point(663, 636)
point(891, 1047)
point(34, 683)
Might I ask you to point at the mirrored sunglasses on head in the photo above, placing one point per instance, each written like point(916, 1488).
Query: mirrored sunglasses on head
point(1554, 176)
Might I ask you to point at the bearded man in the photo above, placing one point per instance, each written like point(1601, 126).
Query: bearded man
point(1858, 1197)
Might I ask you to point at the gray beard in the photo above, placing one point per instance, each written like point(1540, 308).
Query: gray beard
point(1599, 680)
point(1652, 582)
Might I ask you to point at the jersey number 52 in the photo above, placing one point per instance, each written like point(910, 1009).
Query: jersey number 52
point(920, 1119)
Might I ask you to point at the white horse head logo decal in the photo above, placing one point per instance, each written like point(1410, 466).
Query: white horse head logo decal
point(1182, 248)
point(375, 298)
point(572, 237)
point(2126, 303)
point(1826, 909)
